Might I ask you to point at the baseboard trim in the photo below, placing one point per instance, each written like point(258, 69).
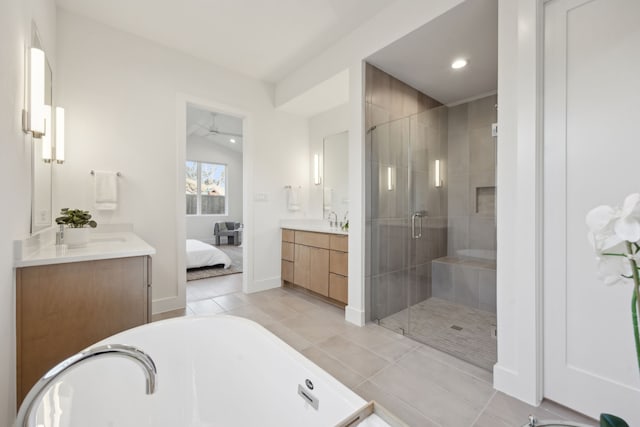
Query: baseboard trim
point(166, 304)
point(263, 285)
point(509, 382)
point(355, 316)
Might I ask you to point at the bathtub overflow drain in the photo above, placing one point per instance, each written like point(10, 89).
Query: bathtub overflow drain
point(309, 384)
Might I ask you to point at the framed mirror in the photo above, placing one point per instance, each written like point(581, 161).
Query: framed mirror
point(335, 182)
point(41, 170)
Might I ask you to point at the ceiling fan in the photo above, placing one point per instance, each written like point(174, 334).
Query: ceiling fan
point(212, 129)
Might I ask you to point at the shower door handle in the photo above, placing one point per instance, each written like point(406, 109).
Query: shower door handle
point(419, 214)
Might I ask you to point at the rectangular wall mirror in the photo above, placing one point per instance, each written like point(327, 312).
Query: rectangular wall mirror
point(41, 170)
point(335, 180)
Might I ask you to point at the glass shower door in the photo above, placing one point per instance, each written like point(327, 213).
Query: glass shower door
point(390, 224)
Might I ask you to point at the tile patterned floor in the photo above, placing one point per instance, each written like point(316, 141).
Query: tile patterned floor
point(421, 385)
point(431, 321)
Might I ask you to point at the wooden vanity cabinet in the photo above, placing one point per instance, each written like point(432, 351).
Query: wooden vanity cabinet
point(63, 308)
point(316, 262)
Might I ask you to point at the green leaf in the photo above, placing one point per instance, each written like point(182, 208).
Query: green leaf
point(608, 420)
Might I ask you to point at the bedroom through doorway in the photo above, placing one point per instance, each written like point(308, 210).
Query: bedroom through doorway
point(214, 208)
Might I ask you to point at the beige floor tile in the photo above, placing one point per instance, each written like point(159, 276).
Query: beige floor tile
point(565, 413)
point(287, 335)
point(369, 391)
point(466, 367)
point(276, 309)
point(252, 313)
point(465, 387)
point(334, 367)
point(205, 306)
point(424, 391)
point(230, 301)
point(313, 330)
point(298, 304)
point(507, 411)
point(354, 356)
point(384, 343)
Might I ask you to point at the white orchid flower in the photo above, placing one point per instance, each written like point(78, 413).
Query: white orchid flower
point(613, 265)
point(610, 226)
point(627, 225)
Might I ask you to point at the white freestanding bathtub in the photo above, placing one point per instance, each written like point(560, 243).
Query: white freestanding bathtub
point(212, 371)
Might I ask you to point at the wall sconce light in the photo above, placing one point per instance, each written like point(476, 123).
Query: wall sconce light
point(59, 135)
point(438, 177)
point(33, 120)
point(46, 136)
point(316, 169)
point(390, 178)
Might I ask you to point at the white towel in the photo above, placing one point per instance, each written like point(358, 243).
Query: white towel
point(293, 199)
point(106, 190)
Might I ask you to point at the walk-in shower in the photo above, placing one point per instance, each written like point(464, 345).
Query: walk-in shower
point(431, 230)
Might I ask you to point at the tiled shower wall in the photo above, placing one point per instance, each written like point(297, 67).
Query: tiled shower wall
point(471, 176)
point(407, 132)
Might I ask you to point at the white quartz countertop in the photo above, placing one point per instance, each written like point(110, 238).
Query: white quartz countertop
point(318, 226)
point(100, 246)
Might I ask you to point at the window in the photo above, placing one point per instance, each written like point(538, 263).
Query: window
point(206, 188)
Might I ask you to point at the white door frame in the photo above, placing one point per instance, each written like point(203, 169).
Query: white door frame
point(247, 183)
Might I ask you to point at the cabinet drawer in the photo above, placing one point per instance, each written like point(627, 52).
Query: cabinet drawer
point(301, 266)
point(339, 263)
point(287, 271)
point(339, 243)
point(338, 288)
point(287, 251)
point(288, 235)
point(316, 240)
point(319, 271)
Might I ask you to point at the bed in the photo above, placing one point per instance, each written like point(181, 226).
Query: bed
point(200, 254)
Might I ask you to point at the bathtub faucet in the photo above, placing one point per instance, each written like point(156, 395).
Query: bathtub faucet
point(126, 351)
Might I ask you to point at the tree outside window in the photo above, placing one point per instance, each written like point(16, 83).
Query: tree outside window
point(206, 186)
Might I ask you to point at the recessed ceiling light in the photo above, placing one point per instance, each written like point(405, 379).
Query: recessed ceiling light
point(459, 63)
point(233, 141)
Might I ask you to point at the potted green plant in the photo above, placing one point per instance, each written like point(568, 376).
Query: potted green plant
point(77, 223)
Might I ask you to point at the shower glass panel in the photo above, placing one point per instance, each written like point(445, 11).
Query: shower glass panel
point(431, 228)
point(390, 226)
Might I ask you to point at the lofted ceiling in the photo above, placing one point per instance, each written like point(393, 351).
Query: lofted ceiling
point(263, 39)
point(218, 128)
point(423, 58)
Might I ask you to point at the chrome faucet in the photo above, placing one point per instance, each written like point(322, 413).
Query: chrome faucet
point(335, 216)
point(129, 352)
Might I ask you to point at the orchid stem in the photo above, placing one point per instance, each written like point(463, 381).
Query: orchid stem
point(635, 300)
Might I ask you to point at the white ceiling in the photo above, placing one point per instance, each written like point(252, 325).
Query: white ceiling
point(423, 58)
point(215, 127)
point(326, 95)
point(263, 39)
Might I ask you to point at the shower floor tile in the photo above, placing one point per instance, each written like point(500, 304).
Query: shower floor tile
point(462, 331)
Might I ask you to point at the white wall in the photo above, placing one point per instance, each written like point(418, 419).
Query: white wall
point(121, 94)
point(322, 125)
point(202, 149)
point(15, 166)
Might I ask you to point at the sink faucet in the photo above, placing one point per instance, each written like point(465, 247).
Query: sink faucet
point(335, 217)
point(132, 353)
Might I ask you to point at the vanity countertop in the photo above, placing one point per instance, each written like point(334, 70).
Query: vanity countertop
point(100, 246)
point(317, 226)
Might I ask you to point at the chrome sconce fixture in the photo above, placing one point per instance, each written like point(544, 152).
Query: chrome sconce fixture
point(316, 169)
point(438, 175)
point(33, 119)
